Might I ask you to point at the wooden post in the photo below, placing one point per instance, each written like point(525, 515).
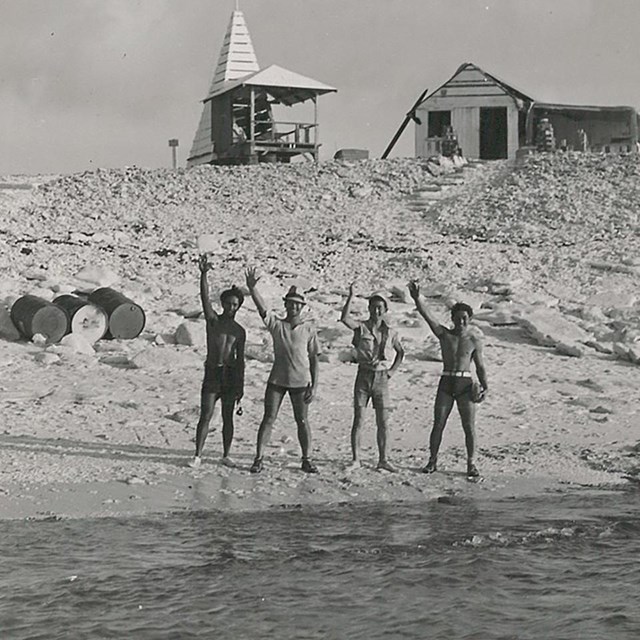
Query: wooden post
point(252, 114)
point(411, 115)
point(315, 128)
point(633, 125)
point(173, 143)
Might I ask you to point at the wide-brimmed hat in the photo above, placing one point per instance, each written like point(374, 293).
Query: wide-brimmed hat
point(379, 295)
point(294, 295)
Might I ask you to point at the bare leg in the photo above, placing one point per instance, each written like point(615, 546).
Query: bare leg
point(381, 436)
point(272, 401)
point(358, 414)
point(207, 405)
point(228, 405)
point(300, 413)
point(442, 409)
point(467, 410)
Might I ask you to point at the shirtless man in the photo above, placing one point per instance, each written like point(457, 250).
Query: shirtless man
point(294, 371)
point(371, 340)
point(224, 366)
point(459, 347)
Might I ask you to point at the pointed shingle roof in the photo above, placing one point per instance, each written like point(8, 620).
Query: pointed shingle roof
point(236, 60)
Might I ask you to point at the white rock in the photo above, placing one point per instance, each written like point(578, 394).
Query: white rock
point(77, 343)
point(549, 328)
point(569, 350)
point(119, 360)
point(621, 350)
point(46, 357)
point(612, 299)
point(94, 276)
point(260, 352)
point(36, 274)
point(191, 333)
point(39, 339)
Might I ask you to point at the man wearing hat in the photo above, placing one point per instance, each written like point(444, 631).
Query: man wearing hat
point(294, 371)
point(371, 340)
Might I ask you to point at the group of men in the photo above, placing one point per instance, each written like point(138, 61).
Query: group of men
point(295, 370)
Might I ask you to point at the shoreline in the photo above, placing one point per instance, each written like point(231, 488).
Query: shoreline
point(235, 491)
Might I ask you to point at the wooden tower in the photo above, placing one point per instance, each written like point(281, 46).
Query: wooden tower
point(237, 125)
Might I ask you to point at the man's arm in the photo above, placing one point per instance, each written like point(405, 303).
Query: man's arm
point(252, 281)
point(434, 325)
point(205, 265)
point(346, 310)
point(478, 359)
point(397, 361)
point(240, 343)
point(314, 367)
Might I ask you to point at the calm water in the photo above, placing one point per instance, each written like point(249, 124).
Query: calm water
point(552, 568)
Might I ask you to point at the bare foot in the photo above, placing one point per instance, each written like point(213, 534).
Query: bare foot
point(431, 467)
point(228, 462)
point(195, 463)
point(354, 465)
point(384, 465)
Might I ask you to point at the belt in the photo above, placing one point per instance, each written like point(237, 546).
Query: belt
point(457, 374)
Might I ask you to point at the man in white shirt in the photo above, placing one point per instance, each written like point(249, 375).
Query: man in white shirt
point(294, 371)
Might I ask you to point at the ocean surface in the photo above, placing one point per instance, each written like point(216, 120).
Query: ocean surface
point(558, 567)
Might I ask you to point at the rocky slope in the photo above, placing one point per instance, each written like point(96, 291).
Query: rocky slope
point(547, 254)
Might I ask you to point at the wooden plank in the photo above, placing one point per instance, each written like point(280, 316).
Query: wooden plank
point(458, 102)
point(466, 123)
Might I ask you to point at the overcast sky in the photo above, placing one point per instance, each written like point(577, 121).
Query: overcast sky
point(106, 83)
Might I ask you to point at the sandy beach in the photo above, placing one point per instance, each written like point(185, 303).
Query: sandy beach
point(108, 430)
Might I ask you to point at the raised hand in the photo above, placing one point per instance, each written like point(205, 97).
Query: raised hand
point(414, 289)
point(252, 277)
point(203, 263)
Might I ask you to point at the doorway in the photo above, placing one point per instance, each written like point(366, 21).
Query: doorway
point(493, 133)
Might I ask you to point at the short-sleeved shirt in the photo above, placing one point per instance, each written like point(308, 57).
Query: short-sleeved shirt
point(371, 351)
point(292, 347)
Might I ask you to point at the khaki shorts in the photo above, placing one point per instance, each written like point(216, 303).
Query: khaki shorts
point(371, 385)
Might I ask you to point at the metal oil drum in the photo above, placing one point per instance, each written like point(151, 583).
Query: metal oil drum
point(85, 319)
point(126, 318)
point(32, 315)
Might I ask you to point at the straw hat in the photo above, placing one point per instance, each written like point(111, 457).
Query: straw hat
point(294, 295)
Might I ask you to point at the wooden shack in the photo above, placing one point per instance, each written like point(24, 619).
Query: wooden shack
point(237, 125)
point(493, 119)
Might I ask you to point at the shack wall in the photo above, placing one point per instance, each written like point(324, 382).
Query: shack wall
point(464, 95)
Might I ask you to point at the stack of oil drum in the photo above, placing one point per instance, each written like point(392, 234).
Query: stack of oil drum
point(104, 313)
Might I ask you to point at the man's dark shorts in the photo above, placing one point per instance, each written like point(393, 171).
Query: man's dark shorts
point(222, 381)
point(456, 387)
point(371, 385)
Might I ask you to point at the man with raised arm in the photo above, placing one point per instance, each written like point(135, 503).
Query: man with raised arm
point(294, 371)
point(224, 366)
point(459, 347)
point(372, 339)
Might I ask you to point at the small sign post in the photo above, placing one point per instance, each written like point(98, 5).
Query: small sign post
point(173, 143)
